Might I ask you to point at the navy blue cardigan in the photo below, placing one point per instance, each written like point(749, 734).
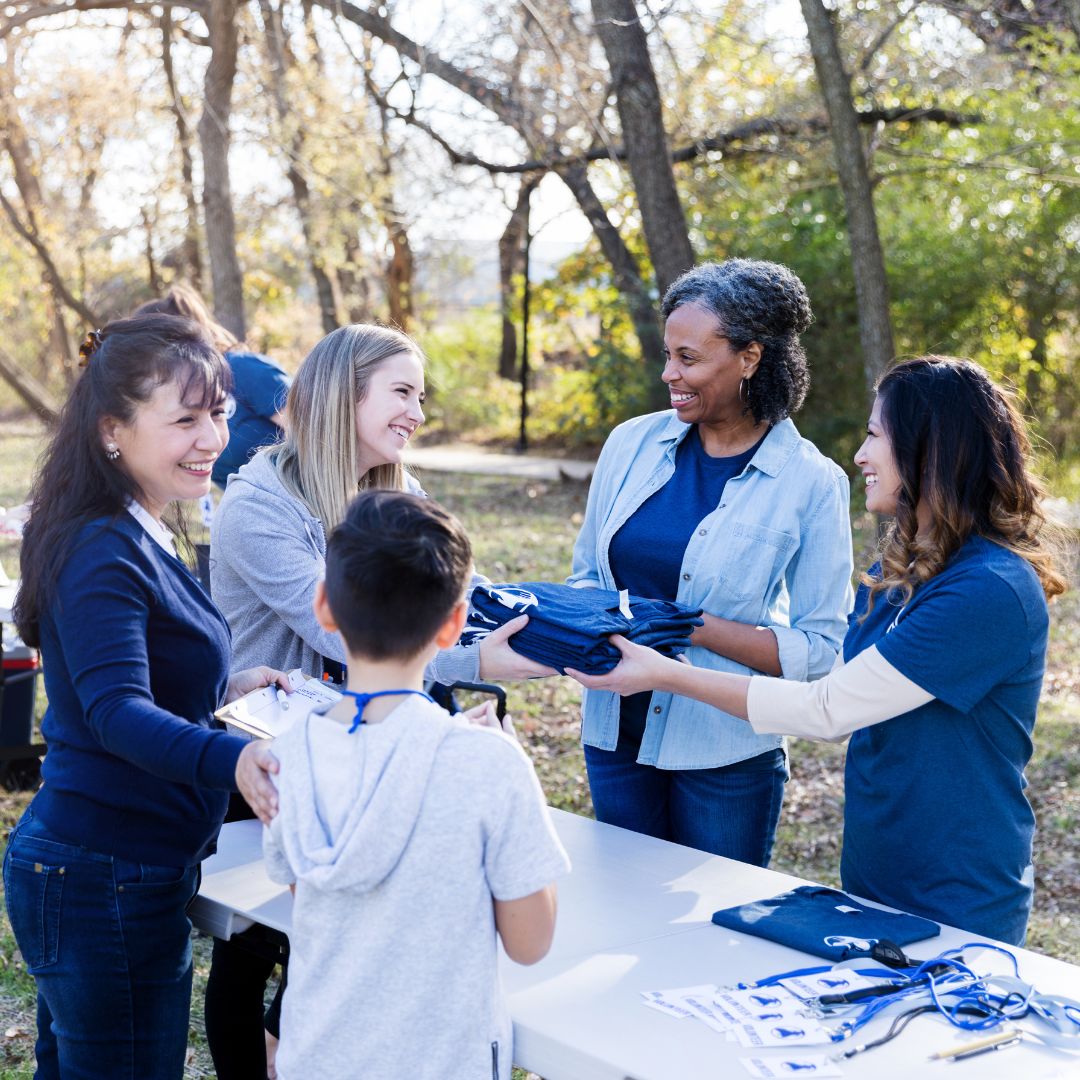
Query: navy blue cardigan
point(136, 659)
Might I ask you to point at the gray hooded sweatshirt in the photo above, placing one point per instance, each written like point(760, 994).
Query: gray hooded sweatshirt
point(267, 551)
point(398, 836)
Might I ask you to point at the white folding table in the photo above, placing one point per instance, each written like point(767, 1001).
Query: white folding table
point(634, 915)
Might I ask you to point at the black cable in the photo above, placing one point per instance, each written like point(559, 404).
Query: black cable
point(897, 1026)
point(900, 1022)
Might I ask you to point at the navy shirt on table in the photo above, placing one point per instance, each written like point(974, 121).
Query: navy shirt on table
point(647, 552)
point(936, 820)
point(260, 388)
point(136, 660)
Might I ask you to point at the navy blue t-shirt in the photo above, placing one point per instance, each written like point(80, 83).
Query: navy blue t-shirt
point(259, 389)
point(936, 820)
point(646, 554)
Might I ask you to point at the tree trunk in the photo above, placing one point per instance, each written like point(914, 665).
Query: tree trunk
point(628, 278)
point(637, 98)
point(191, 259)
point(399, 276)
point(292, 134)
point(867, 259)
point(217, 192)
point(399, 269)
point(510, 263)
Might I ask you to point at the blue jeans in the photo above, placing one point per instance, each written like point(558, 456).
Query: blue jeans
point(109, 945)
point(730, 811)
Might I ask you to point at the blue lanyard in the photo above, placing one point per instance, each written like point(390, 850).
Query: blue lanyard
point(363, 699)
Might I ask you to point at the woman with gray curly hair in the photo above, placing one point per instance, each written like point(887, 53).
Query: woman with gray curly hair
point(717, 504)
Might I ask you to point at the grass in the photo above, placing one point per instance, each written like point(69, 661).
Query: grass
point(524, 530)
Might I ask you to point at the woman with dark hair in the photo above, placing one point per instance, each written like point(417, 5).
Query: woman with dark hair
point(720, 505)
point(259, 386)
point(100, 870)
point(939, 678)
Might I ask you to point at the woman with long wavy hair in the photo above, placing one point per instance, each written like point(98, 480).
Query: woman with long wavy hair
point(939, 678)
point(100, 870)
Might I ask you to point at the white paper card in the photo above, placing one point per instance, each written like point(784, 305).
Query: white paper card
point(787, 1067)
point(670, 1001)
point(793, 1032)
point(701, 1007)
point(746, 1006)
point(839, 981)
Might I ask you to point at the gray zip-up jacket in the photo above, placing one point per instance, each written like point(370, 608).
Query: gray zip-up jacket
point(267, 551)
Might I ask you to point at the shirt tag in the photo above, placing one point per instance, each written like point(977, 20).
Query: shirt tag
point(770, 1068)
point(624, 603)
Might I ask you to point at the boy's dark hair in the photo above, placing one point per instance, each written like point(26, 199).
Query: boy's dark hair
point(395, 568)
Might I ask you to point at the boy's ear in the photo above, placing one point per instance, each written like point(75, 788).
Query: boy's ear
point(321, 606)
point(450, 630)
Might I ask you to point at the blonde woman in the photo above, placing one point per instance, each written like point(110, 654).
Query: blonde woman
point(356, 401)
point(353, 406)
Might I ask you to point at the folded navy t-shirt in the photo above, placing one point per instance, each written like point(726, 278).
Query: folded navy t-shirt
point(824, 922)
point(570, 627)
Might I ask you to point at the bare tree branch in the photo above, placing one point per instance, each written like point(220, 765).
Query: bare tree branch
point(788, 127)
point(42, 11)
point(51, 271)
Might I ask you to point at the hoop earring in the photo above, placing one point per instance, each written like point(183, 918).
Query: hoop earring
point(112, 451)
point(744, 391)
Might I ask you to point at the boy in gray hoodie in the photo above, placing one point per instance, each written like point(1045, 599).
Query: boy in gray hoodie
point(412, 837)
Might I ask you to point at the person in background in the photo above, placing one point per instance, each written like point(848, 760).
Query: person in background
point(939, 678)
point(99, 871)
point(718, 504)
point(259, 385)
point(415, 840)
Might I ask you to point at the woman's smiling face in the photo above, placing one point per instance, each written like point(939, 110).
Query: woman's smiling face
point(878, 464)
point(169, 447)
point(390, 411)
point(702, 370)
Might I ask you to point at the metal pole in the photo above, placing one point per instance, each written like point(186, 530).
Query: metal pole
point(523, 438)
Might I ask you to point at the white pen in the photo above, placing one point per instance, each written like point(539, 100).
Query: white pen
point(283, 698)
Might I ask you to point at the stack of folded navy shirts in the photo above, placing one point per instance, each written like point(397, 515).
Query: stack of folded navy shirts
point(570, 627)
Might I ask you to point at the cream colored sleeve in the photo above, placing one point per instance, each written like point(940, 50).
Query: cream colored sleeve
point(855, 695)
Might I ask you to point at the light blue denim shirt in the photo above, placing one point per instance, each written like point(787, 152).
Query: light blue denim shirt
point(775, 552)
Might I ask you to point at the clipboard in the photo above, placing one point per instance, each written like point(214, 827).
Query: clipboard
point(262, 715)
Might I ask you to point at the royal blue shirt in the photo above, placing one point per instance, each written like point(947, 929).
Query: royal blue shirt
point(936, 820)
point(136, 660)
point(260, 388)
point(647, 552)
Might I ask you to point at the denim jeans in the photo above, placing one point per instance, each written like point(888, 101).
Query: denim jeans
point(730, 811)
point(109, 945)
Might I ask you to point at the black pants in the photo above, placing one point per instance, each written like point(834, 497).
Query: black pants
point(233, 1006)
